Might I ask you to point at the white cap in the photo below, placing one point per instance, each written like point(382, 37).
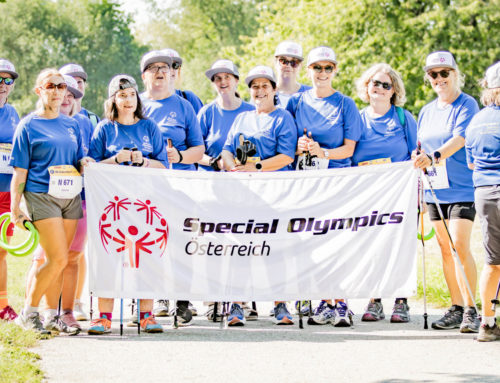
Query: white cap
point(222, 66)
point(321, 54)
point(74, 70)
point(72, 86)
point(440, 59)
point(173, 54)
point(289, 48)
point(260, 71)
point(155, 57)
point(7, 67)
point(493, 76)
point(115, 86)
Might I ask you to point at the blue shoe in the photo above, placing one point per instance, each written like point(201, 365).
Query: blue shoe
point(323, 314)
point(281, 315)
point(343, 316)
point(100, 326)
point(236, 316)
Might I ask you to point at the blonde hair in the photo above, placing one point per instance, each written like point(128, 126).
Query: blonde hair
point(43, 76)
point(489, 96)
point(399, 96)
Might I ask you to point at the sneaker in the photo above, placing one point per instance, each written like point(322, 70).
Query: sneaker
point(210, 312)
point(8, 314)
point(470, 321)
point(161, 308)
point(149, 324)
point(304, 307)
point(70, 320)
point(250, 313)
point(194, 310)
point(451, 319)
point(79, 313)
point(281, 315)
point(343, 317)
point(236, 316)
point(488, 334)
point(323, 314)
point(133, 321)
point(57, 326)
point(100, 326)
point(374, 312)
point(400, 313)
point(32, 322)
point(184, 315)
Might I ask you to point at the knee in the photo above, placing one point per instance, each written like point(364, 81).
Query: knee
point(57, 264)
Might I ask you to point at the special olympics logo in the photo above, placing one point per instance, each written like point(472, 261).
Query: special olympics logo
point(133, 226)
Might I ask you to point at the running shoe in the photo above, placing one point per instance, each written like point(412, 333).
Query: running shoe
point(470, 321)
point(133, 321)
point(210, 312)
point(236, 316)
point(57, 326)
point(323, 314)
point(32, 322)
point(281, 315)
point(194, 310)
point(79, 312)
point(488, 334)
point(184, 315)
point(8, 314)
point(70, 320)
point(100, 326)
point(451, 319)
point(150, 325)
point(250, 313)
point(343, 317)
point(161, 308)
point(304, 307)
point(400, 312)
point(374, 312)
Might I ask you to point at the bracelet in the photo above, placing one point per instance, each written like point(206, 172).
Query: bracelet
point(142, 163)
point(116, 160)
point(430, 158)
point(180, 156)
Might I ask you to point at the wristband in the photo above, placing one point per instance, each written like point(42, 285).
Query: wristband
point(116, 160)
point(430, 158)
point(437, 156)
point(142, 163)
point(180, 156)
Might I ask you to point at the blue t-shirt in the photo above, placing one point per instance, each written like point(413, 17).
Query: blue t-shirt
point(283, 98)
point(8, 122)
point(215, 123)
point(330, 120)
point(482, 144)
point(272, 134)
point(176, 119)
point(110, 137)
point(193, 99)
point(86, 130)
point(386, 137)
point(436, 126)
point(40, 143)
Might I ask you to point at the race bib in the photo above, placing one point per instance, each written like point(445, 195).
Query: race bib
point(253, 160)
point(5, 151)
point(438, 176)
point(314, 163)
point(65, 182)
point(377, 161)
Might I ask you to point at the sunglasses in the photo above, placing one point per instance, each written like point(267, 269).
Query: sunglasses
point(327, 68)
point(7, 80)
point(176, 65)
point(444, 73)
point(285, 62)
point(379, 84)
point(52, 86)
point(155, 69)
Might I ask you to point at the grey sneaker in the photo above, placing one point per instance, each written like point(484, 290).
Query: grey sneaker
point(400, 313)
point(488, 334)
point(161, 308)
point(324, 314)
point(32, 322)
point(57, 326)
point(250, 313)
point(451, 319)
point(184, 314)
point(210, 312)
point(470, 322)
point(194, 310)
point(374, 312)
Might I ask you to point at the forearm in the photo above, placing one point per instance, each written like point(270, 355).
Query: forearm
point(275, 163)
point(344, 151)
point(228, 160)
point(451, 146)
point(205, 160)
point(17, 186)
point(193, 154)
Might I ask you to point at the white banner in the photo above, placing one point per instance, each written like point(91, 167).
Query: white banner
point(343, 233)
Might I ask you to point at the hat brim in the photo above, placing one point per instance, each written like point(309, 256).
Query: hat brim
point(322, 59)
point(249, 79)
point(426, 68)
point(12, 73)
point(77, 74)
point(76, 93)
point(277, 54)
point(212, 72)
point(157, 59)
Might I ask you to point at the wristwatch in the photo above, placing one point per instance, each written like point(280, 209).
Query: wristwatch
point(437, 156)
point(258, 166)
point(326, 153)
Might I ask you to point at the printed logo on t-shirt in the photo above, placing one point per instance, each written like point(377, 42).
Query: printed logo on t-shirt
point(391, 127)
point(147, 147)
point(172, 119)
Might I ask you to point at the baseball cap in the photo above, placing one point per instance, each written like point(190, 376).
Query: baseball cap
point(289, 48)
point(493, 76)
point(115, 84)
point(321, 54)
point(260, 71)
point(74, 70)
point(155, 57)
point(222, 66)
point(7, 67)
point(440, 59)
point(173, 54)
point(72, 86)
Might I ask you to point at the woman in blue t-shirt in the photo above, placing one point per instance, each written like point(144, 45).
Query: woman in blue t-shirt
point(441, 130)
point(389, 135)
point(45, 172)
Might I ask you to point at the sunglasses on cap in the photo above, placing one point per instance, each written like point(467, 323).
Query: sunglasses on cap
point(285, 62)
point(52, 86)
point(380, 84)
point(327, 68)
point(176, 65)
point(156, 68)
point(444, 73)
point(7, 80)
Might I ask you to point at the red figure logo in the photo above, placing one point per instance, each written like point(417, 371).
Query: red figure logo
point(135, 232)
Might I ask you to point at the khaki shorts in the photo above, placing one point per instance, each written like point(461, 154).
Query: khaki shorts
point(42, 206)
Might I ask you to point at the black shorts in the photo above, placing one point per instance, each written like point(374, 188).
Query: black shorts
point(456, 210)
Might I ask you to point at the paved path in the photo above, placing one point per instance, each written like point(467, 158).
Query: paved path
point(262, 352)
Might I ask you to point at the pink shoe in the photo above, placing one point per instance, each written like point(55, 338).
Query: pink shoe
point(70, 320)
point(8, 313)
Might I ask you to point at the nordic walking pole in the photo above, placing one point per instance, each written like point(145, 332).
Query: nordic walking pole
point(138, 316)
point(91, 308)
point(176, 324)
point(301, 322)
point(495, 302)
point(170, 145)
point(421, 213)
point(121, 317)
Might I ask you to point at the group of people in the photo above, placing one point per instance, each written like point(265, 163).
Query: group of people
point(286, 126)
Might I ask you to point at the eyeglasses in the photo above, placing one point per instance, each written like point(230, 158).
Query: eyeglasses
point(176, 65)
point(285, 62)
point(444, 73)
point(52, 86)
point(7, 80)
point(155, 69)
point(327, 68)
point(379, 84)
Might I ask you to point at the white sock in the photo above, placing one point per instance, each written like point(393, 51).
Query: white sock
point(50, 313)
point(29, 309)
point(490, 321)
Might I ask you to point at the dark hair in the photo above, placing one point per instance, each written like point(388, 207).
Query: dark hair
point(110, 111)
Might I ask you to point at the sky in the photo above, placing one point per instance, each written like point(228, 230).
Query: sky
point(138, 9)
